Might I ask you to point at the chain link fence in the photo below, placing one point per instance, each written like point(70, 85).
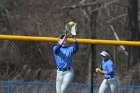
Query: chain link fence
point(30, 66)
point(46, 87)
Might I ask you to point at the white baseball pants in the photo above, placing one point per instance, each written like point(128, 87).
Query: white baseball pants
point(112, 84)
point(63, 79)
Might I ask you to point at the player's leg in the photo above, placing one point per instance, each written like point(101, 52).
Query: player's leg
point(67, 80)
point(59, 80)
point(114, 85)
point(104, 86)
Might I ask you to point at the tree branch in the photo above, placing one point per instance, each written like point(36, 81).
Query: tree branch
point(117, 38)
point(115, 18)
point(105, 5)
point(113, 30)
point(86, 4)
point(83, 11)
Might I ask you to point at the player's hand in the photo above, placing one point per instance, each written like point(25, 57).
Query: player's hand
point(67, 33)
point(97, 70)
point(74, 36)
point(61, 40)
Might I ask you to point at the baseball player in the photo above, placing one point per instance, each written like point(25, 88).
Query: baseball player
point(63, 57)
point(110, 77)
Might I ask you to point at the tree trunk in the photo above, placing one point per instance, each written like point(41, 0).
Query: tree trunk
point(135, 33)
point(134, 18)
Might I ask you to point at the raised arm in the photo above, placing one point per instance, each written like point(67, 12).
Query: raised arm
point(75, 45)
point(56, 49)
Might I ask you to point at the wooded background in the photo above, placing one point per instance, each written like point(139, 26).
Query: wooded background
point(96, 19)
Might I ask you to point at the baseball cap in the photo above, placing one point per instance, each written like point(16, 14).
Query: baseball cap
point(104, 53)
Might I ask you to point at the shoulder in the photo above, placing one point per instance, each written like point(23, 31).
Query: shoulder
point(70, 47)
point(54, 47)
point(110, 61)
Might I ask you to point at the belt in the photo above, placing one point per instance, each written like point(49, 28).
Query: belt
point(64, 69)
point(108, 77)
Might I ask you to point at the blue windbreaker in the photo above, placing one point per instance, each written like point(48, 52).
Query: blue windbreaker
point(63, 55)
point(108, 66)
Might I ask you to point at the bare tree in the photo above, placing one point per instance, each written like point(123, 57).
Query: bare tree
point(134, 18)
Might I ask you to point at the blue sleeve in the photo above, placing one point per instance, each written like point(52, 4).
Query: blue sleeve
point(101, 66)
point(56, 49)
point(110, 69)
point(76, 47)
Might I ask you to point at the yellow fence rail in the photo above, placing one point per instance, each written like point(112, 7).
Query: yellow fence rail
point(80, 40)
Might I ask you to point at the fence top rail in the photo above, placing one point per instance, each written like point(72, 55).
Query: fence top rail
point(80, 40)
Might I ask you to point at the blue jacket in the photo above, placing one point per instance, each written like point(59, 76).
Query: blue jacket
point(108, 66)
point(63, 55)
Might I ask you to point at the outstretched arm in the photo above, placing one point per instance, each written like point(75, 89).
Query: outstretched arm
point(76, 46)
point(56, 49)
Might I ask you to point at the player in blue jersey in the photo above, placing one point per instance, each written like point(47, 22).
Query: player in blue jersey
point(63, 57)
point(111, 80)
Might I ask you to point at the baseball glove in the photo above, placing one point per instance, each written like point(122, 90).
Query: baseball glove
point(72, 28)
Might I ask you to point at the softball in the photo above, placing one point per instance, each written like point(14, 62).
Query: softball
point(71, 23)
point(97, 69)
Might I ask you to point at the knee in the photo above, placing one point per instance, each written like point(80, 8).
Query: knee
point(58, 91)
point(61, 91)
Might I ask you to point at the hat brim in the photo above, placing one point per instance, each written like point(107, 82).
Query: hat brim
point(103, 54)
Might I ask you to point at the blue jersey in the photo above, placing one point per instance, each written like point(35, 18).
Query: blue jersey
point(108, 66)
point(63, 55)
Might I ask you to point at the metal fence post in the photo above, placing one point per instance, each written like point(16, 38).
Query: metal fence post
point(9, 86)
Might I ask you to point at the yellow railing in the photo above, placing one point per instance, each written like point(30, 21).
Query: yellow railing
point(80, 40)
